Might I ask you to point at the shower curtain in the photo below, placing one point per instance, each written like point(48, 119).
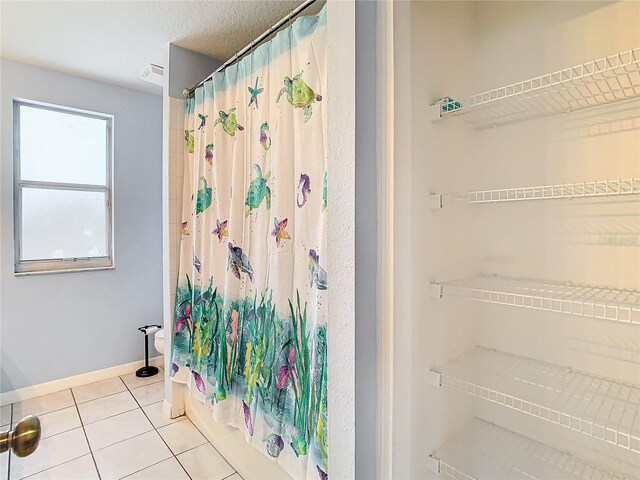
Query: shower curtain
point(250, 326)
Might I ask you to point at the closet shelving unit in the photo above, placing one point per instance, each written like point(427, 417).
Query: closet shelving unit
point(601, 408)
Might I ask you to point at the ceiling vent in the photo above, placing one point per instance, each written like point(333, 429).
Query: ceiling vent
point(153, 74)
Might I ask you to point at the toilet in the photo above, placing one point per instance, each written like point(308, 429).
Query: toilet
point(158, 340)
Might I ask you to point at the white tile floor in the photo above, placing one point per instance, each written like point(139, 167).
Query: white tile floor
point(112, 429)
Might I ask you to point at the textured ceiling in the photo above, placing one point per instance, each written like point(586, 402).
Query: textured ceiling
point(113, 41)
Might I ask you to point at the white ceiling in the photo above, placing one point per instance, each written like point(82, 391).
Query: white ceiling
point(114, 41)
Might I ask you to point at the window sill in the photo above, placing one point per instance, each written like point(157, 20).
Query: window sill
point(63, 270)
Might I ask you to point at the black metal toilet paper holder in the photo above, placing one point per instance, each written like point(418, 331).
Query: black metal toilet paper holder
point(147, 370)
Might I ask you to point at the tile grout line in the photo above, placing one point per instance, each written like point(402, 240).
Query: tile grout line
point(207, 442)
point(126, 388)
point(46, 413)
point(157, 432)
point(110, 416)
point(85, 436)
point(149, 466)
point(86, 424)
point(52, 467)
point(193, 448)
point(235, 470)
point(101, 397)
point(120, 441)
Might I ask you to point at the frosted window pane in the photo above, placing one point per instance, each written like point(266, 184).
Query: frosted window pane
point(63, 224)
point(62, 147)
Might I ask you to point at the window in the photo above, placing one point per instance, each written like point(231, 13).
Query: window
point(62, 188)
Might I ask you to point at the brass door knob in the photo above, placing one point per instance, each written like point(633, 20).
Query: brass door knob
point(23, 439)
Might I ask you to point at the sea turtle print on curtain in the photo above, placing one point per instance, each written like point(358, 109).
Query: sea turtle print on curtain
point(250, 326)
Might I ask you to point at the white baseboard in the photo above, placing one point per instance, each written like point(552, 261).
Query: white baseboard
point(75, 381)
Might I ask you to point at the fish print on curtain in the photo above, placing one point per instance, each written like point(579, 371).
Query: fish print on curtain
point(250, 326)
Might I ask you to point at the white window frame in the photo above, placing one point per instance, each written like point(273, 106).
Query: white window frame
point(28, 267)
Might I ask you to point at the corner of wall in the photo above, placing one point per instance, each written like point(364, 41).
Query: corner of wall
point(341, 237)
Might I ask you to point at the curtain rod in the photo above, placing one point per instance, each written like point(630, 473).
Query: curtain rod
point(254, 43)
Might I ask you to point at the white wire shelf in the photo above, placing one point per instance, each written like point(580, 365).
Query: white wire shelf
point(601, 408)
point(483, 451)
point(563, 297)
point(598, 188)
point(606, 80)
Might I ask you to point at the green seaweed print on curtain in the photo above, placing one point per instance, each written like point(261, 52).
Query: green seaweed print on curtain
point(277, 363)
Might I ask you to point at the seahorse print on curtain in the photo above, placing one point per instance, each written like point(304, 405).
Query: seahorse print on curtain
point(250, 323)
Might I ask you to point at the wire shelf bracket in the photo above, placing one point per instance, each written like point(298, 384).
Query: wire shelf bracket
point(434, 378)
point(598, 82)
point(598, 188)
point(601, 408)
point(434, 290)
point(562, 297)
point(433, 464)
point(483, 450)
